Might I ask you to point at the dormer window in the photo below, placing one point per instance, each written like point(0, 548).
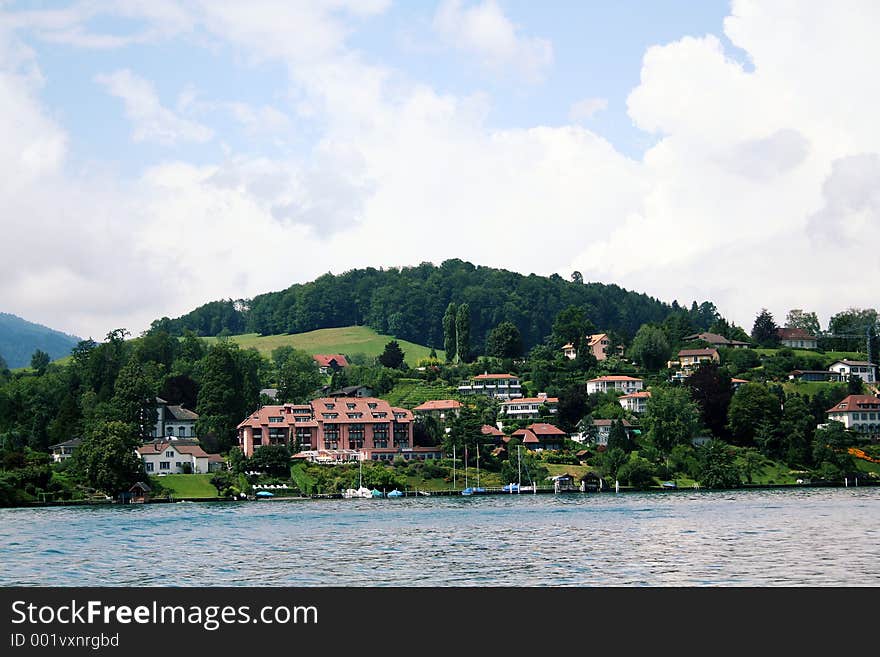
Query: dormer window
point(350, 406)
point(331, 406)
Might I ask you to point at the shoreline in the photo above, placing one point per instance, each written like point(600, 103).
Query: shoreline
point(448, 493)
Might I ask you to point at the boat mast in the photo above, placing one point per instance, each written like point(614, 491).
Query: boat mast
point(478, 465)
point(465, 466)
point(453, 467)
point(518, 469)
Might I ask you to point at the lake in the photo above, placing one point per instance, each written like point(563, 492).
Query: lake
point(771, 537)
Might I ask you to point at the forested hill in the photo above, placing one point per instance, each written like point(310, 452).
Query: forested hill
point(409, 303)
point(19, 339)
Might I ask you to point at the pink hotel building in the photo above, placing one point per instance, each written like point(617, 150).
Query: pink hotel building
point(365, 424)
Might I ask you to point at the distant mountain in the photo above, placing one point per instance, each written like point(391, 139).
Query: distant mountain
point(409, 303)
point(19, 339)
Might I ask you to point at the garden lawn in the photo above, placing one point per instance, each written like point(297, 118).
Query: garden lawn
point(183, 485)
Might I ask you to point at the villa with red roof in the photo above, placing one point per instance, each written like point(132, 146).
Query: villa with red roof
point(635, 402)
point(625, 384)
point(499, 386)
point(858, 412)
point(442, 409)
point(796, 338)
point(172, 457)
point(367, 426)
point(327, 363)
point(540, 436)
point(526, 408)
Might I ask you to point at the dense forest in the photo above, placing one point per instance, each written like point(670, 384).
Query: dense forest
point(409, 303)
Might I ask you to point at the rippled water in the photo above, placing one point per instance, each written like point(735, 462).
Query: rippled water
point(822, 537)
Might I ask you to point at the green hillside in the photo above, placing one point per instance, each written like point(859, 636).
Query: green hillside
point(19, 339)
point(349, 340)
point(408, 393)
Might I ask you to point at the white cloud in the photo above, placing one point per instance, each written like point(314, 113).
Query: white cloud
point(484, 31)
point(760, 192)
point(585, 109)
point(150, 120)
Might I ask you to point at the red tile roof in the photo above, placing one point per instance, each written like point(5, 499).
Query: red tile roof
point(489, 430)
point(544, 429)
point(326, 405)
point(323, 360)
point(438, 405)
point(528, 437)
point(855, 403)
point(794, 334)
point(607, 423)
point(637, 395)
point(532, 400)
point(495, 376)
point(614, 377)
point(698, 352)
point(596, 338)
point(156, 448)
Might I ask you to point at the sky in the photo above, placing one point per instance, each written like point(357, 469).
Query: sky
point(157, 155)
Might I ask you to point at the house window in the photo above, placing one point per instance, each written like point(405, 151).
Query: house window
point(169, 431)
point(181, 431)
point(164, 465)
point(356, 436)
point(372, 404)
point(178, 465)
point(149, 466)
point(169, 454)
point(350, 406)
point(330, 406)
point(276, 419)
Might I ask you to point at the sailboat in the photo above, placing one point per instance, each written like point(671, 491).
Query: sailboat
point(362, 491)
point(468, 490)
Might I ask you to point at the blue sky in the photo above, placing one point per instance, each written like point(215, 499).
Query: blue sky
point(176, 152)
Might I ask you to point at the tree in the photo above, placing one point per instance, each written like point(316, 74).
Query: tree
point(764, 329)
point(392, 356)
point(40, 361)
point(808, 322)
point(672, 418)
point(504, 341)
point(798, 428)
point(717, 466)
point(612, 461)
point(638, 473)
point(572, 406)
point(577, 277)
point(570, 326)
point(752, 406)
point(106, 459)
point(230, 389)
point(711, 388)
point(650, 348)
point(463, 333)
point(752, 461)
point(272, 459)
point(854, 384)
point(449, 337)
point(134, 398)
point(618, 436)
point(296, 374)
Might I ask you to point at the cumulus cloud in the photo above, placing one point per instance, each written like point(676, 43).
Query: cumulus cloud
point(484, 31)
point(761, 174)
point(585, 109)
point(150, 120)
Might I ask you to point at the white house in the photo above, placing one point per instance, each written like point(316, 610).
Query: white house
point(63, 451)
point(499, 386)
point(602, 430)
point(796, 338)
point(174, 421)
point(635, 402)
point(625, 384)
point(171, 457)
point(866, 371)
point(858, 412)
point(526, 408)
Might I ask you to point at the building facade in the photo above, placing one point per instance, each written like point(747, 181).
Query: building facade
point(442, 409)
point(527, 408)
point(174, 421)
point(858, 412)
point(499, 386)
point(171, 457)
point(866, 371)
point(624, 384)
point(635, 402)
point(371, 427)
point(796, 338)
